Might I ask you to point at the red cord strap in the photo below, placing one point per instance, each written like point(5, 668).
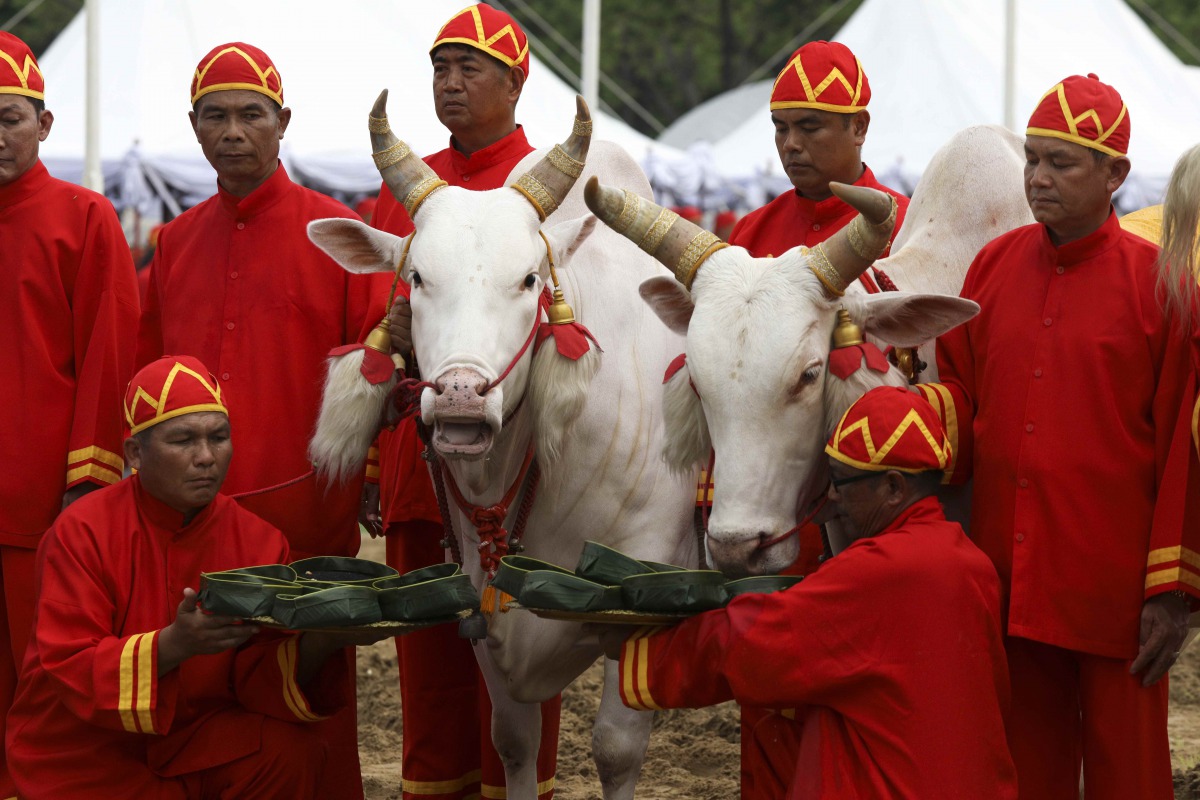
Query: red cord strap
point(489, 520)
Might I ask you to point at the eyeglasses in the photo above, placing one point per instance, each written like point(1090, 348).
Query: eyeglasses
point(838, 483)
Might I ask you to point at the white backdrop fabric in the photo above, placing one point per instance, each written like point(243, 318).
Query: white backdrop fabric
point(333, 67)
point(937, 66)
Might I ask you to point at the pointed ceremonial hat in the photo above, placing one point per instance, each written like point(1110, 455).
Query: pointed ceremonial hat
point(825, 76)
point(890, 427)
point(487, 29)
point(1084, 111)
point(237, 65)
point(19, 71)
point(170, 387)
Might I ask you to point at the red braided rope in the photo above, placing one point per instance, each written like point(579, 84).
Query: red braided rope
point(885, 282)
point(284, 485)
point(489, 520)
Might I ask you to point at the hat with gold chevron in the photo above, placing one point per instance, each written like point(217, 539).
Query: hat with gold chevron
point(170, 387)
point(890, 427)
point(487, 29)
point(19, 71)
point(237, 65)
point(825, 76)
point(1084, 111)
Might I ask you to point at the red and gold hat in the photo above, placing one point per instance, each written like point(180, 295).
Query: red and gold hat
point(170, 387)
point(825, 76)
point(19, 71)
point(1084, 111)
point(489, 30)
point(237, 66)
point(890, 427)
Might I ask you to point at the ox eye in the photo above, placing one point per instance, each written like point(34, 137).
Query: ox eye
point(530, 280)
point(807, 378)
point(416, 279)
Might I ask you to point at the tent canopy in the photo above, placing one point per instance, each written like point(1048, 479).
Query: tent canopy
point(334, 60)
point(937, 66)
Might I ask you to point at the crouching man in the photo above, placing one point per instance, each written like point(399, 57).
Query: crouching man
point(889, 656)
point(128, 689)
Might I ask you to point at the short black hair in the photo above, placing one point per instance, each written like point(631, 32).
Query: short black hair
point(39, 105)
point(1098, 156)
point(927, 482)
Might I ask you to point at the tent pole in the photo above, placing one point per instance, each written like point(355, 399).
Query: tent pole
point(1010, 64)
point(93, 178)
point(590, 67)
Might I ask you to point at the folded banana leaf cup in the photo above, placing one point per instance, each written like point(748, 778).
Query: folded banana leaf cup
point(435, 598)
point(334, 607)
point(341, 571)
point(602, 564)
point(510, 575)
point(418, 576)
point(245, 592)
point(567, 592)
point(679, 590)
point(761, 584)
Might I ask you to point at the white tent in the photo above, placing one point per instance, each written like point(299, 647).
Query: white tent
point(937, 66)
point(334, 59)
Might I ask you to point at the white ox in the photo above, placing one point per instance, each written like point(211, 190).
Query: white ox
point(477, 265)
point(756, 391)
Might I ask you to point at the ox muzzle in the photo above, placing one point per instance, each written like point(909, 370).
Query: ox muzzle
point(464, 411)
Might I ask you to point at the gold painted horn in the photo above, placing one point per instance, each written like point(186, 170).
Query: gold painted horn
point(681, 246)
point(408, 177)
point(546, 185)
point(838, 261)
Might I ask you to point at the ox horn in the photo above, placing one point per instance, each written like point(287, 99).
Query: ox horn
point(839, 261)
point(409, 178)
point(682, 246)
point(546, 185)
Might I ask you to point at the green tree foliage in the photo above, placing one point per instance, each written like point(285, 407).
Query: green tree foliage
point(37, 21)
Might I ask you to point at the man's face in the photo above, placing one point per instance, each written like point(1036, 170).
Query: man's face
point(473, 92)
point(860, 498)
point(816, 147)
point(1068, 188)
point(22, 128)
point(183, 461)
point(239, 131)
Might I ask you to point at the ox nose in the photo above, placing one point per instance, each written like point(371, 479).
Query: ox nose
point(460, 393)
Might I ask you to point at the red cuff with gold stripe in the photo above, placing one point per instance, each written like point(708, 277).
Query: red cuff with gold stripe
point(138, 683)
point(487, 29)
point(288, 656)
point(635, 672)
point(94, 464)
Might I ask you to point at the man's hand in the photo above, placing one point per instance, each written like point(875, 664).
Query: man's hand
point(368, 510)
point(1164, 627)
point(195, 633)
point(400, 319)
point(78, 491)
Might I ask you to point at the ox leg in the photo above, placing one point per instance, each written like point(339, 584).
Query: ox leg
point(516, 735)
point(619, 738)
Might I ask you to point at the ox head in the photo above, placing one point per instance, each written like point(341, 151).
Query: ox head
point(476, 263)
point(756, 389)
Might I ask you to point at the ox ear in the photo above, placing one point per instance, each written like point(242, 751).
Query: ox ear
point(904, 319)
point(355, 245)
point(567, 237)
point(670, 301)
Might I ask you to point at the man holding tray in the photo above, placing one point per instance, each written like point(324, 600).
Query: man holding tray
point(889, 656)
point(128, 688)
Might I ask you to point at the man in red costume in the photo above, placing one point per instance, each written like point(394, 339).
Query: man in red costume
point(129, 689)
point(236, 282)
point(480, 64)
point(68, 316)
point(819, 110)
point(889, 657)
point(1066, 401)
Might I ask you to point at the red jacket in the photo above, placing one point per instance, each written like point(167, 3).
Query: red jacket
point(406, 492)
point(891, 653)
point(68, 315)
point(1068, 400)
point(111, 574)
point(237, 284)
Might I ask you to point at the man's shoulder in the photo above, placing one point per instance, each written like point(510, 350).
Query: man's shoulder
point(320, 206)
point(63, 197)
point(1024, 236)
point(96, 510)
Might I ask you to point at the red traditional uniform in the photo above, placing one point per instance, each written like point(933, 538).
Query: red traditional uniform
point(92, 713)
point(237, 283)
point(439, 677)
point(890, 654)
point(788, 221)
point(1067, 402)
point(68, 313)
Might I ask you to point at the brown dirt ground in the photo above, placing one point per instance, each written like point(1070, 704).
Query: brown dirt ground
point(693, 754)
